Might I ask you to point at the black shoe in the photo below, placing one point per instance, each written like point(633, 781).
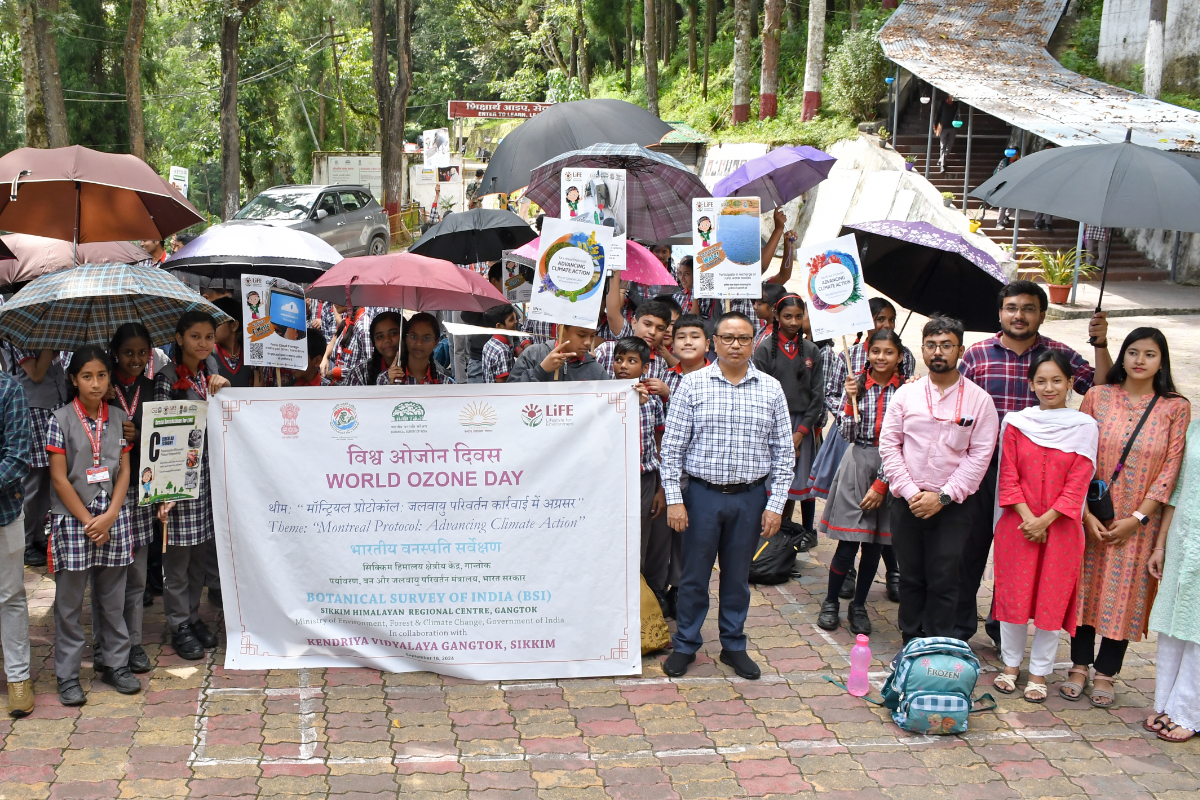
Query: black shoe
point(70, 693)
point(858, 619)
point(186, 645)
point(893, 587)
point(35, 557)
point(1039, 225)
point(847, 590)
point(992, 628)
point(828, 619)
point(122, 680)
point(139, 662)
point(204, 635)
point(676, 664)
point(806, 541)
point(97, 664)
point(214, 597)
point(147, 599)
point(672, 604)
point(742, 664)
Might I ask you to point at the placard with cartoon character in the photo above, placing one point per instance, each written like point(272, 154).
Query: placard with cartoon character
point(274, 323)
point(595, 196)
point(171, 451)
point(834, 288)
point(569, 273)
point(517, 277)
point(725, 237)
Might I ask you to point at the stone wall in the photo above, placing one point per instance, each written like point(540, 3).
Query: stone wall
point(1123, 41)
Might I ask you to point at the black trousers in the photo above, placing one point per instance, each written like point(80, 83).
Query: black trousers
point(1112, 651)
point(976, 548)
point(929, 552)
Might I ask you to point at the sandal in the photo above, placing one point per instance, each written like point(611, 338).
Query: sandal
point(1076, 687)
point(1156, 724)
point(1170, 728)
point(1103, 698)
point(1005, 683)
point(1035, 692)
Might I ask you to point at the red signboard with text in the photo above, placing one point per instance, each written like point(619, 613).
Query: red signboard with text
point(494, 109)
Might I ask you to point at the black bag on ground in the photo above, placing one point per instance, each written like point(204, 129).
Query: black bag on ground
point(774, 559)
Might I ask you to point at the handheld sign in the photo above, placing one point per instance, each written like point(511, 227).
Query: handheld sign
point(595, 196)
point(171, 450)
point(834, 288)
point(725, 235)
point(274, 323)
point(570, 272)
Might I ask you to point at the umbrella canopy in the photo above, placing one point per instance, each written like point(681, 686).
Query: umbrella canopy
point(481, 234)
point(70, 308)
point(34, 256)
point(926, 269)
point(565, 127)
point(640, 264)
point(82, 195)
point(777, 177)
point(405, 280)
point(1122, 185)
point(659, 188)
point(227, 250)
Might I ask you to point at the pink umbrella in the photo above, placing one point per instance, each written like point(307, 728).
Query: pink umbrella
point(640, 264)
point(34, 256)
point(405, 280)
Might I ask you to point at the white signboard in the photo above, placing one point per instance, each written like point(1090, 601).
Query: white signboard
point(569, 273)
point(596, 197)
point(725, 236)
point(436, 147)
point(357, 170)
point(171, 449)
point(834, 288)
point(430, 528)
point(274, 323)
point(723, 159)
point(179, 179)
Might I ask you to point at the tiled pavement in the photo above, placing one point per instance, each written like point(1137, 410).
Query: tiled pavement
point(200, 731)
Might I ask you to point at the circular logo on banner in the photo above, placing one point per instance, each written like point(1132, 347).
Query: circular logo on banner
point(531, 415)
point(408, 411)
point(344, 418)
point(571, 267)
point(833, 281)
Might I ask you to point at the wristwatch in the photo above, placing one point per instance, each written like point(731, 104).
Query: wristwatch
point(1140, 517)
point(944, 498)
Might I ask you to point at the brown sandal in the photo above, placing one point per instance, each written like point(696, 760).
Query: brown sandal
point(1156, 724)
point(1077, 686)
point(1171, 727)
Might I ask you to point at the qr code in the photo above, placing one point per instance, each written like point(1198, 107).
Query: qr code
point(254, 352)
point(707, 282)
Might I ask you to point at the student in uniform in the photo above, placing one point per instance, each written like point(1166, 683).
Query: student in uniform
point(651, 321)
point(416, 366)
point(500, 351)
point(14, 606)
point(348, 349)
point(89, 525)
point(192, 375)
point(231, 364)
point(772, 293)
point(683, 295)
point(568, 358)
point(857, 509)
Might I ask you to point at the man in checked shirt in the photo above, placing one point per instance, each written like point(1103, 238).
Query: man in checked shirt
point(727, 433)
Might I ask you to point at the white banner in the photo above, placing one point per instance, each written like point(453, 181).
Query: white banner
point(274, 323)
point(834, 288)
point(571, 267)
point(171, 449)
point(595, 196)
point(725, 236)
point(435, 144)
point(460, 529)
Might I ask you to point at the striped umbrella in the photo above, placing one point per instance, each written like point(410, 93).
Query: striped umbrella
point(659, 188)
point(68, 309)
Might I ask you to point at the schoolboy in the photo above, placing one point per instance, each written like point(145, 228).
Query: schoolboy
point(567, 358)
point(651, 321)
point(683, 295)
point(500, 351)
point(689, 344)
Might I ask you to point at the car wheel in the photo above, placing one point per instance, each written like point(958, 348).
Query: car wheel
point(378, 246)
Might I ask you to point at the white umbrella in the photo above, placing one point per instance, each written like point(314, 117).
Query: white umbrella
point(225, 251)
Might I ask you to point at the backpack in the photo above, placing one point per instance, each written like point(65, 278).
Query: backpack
point(930, 690)
point(774, 559)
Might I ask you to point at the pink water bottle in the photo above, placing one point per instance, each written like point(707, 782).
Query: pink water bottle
point(860, 661)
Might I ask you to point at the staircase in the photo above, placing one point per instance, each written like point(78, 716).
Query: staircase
point(988, 140)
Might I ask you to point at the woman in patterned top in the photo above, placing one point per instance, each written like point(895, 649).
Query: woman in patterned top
point(415, 365)
point(89, 524)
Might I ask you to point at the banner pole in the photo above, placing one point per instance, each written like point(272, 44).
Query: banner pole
point(850, 372)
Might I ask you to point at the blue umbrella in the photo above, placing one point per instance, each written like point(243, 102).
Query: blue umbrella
point(777, 177)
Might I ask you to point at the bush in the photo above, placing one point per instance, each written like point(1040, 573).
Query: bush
point(855, 72)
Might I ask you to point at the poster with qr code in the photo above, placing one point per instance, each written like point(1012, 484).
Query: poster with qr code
point(595, 196)
point(725, 236)
point(274, 323)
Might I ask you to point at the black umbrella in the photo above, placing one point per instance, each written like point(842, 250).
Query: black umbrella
point(565, 127)
point(481, 234)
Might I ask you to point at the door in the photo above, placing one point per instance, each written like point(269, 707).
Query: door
point(358, 222)
point(330, 228)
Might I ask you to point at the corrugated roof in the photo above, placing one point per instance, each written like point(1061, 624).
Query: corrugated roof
point(683, 134)
point(992, 55)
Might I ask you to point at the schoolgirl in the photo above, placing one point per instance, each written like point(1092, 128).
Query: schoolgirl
point(856, 510)
point(190, 551)
point(416, 365)
point(796, 363)
point(89, 525)
point(348, 348)
point(231, 361)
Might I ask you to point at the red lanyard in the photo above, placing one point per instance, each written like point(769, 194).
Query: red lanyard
point(95, 441)
point(130, 408)
point(957, 406)
point(201, 386)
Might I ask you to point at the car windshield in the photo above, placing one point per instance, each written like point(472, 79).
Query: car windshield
point(289, 204)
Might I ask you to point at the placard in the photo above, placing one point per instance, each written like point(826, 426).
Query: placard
point(436, 147)
point(516, 278)
point(569, 273)
point(596, 197)
point(179, 179)
point(171, 450)
point(834, 288)
point(725, 236)
point(274, 325)
point(411, 528)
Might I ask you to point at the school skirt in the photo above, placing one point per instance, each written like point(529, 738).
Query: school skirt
point(141, 518)
point(801, 489)
point(71, 549)
point(843, 520)
point(825, 466)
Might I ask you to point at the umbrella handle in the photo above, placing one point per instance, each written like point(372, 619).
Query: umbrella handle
point(12, 191)
point(1103, 280)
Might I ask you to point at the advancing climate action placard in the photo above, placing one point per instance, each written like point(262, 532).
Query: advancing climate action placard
point(172, 446)
point(833, 286)
point(459, 529)
point(274, 323)
point(725, 234)
point(596, 197)
point(569, 274)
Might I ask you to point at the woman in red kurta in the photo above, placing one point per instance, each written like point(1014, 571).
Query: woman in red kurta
point(1046, 462)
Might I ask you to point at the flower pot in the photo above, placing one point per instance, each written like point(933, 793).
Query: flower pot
point(974, 225)
point(908, 165)
point(948, 202)
point(1058, 294)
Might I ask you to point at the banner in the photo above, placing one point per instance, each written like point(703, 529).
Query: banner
point(833, 286)
point(459, 529)
point(725, 236)
point(494, 109)
point(171, 449)
point(570, 272)
point(594, 196)
point(275, 323)
point(723, 159)
point(435, 145)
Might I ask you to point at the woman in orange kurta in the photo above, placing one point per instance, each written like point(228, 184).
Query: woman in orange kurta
point(1116, 591)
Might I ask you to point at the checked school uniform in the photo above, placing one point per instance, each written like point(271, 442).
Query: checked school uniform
point(796, 364)
point(498, 358)
point(93, 449)
point(352, 352)
point(656, 534)
point(436, 374)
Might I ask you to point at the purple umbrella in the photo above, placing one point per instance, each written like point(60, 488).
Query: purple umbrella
point(781, 175)
point(926, 269)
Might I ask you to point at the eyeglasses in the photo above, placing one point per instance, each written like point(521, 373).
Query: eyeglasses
point(729, 339)
point(933, 347)
point(1014, 309)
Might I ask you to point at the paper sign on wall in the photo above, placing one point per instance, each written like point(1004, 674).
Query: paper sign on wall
point(596, 197)
point(436, 144)
point(725, 235)
point(171, 449)
point(274, 323)
point(834, 288)
point(569, 274)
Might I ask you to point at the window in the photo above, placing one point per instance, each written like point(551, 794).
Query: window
point(328, 204)
point(350, 201)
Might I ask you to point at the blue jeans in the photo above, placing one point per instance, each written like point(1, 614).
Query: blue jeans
point(724, 527)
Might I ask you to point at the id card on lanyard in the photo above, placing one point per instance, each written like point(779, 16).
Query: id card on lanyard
point(95, 473)
point(957, 406)
point(132, 406)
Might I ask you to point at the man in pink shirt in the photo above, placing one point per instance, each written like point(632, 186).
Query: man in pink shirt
point(936, 442)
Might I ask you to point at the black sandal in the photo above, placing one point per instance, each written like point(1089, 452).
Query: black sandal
point(1150, 725)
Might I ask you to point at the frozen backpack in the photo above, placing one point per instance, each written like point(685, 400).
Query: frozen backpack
point(930, 690)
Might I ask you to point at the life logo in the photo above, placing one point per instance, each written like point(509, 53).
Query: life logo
point(344, 418)
point(531, 415)
point(557, 414)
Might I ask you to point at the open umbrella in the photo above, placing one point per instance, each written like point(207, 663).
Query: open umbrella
point(777, 177)
point(223, 252)
point(659, 188)
point(640, 264)
point(926, 270)
point(481, 234)
point(34, 256)
point(72, 307)
point(405, 280)
point(562, 128)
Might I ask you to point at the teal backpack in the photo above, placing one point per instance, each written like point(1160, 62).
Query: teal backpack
point(930, 690)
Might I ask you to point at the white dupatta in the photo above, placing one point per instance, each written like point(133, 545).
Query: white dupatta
point(1062, 429)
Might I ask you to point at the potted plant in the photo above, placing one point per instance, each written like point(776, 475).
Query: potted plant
point(948, 199)
point(1058, 270)
point(910, 162)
